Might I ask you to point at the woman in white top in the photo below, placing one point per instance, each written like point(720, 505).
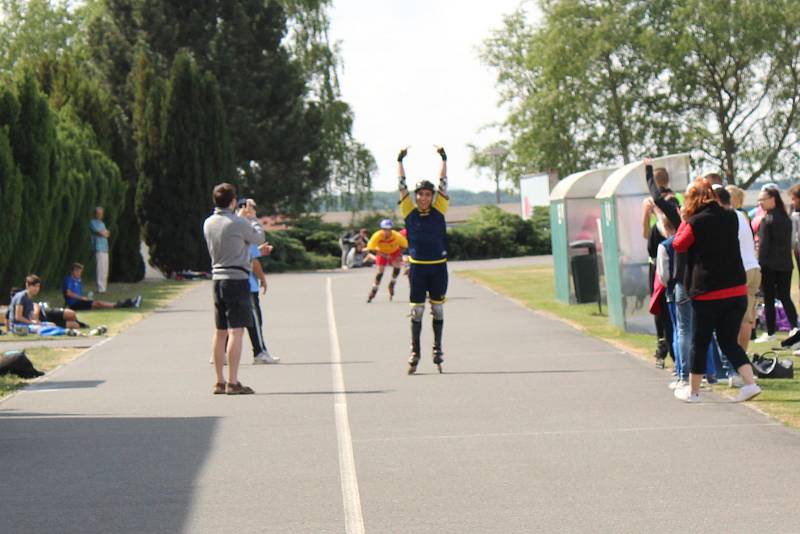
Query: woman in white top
point(749, 260)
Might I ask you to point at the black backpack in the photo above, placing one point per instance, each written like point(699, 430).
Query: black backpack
point(16, 362)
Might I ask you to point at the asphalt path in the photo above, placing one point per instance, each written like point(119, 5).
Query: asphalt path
point(533, 427)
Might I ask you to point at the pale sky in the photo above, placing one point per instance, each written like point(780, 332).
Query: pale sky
point(412, 74)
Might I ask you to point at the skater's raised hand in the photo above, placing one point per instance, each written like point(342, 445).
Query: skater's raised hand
point(648, 162)
point(401, 173)
point(440, 150)
point(402, 154)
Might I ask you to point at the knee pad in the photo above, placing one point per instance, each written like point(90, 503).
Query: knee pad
point(416, 312)
point(437, 310)
point(395, 272)
point(378, 278)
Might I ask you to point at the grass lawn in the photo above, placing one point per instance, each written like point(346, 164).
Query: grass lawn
point(155, 294)
point(535, 288)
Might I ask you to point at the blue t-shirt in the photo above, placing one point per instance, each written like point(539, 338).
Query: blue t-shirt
point(22, 298)
point(99, 243)
point(73, 284)
point(254, 253)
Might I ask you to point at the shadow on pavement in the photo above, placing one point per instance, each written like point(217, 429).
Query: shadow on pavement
point(104, 475)
point(347, 392)
point(543, 372)
point(325, 363)
point(64, 384)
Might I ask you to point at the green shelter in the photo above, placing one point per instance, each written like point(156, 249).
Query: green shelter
point(625, 260)
point(574, 216)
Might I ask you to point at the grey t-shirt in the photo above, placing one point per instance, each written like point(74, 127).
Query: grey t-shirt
point(27, 306)
point(229, 237)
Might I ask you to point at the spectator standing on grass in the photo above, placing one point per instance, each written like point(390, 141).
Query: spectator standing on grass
point(258, 281)
point(716, 282)
point(775, 259)
point(100, 235)
point(752, 268)
point(228, 237)
point(74, 299)
point(660, 178)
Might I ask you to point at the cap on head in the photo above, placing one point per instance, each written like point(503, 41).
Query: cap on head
point(386, 224)
point(424, 184)
point(242, 202)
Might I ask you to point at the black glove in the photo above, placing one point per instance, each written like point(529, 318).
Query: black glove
point(403, 153)
point(441, 152)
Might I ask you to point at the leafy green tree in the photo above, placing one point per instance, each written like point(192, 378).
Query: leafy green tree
point(32, 28)
point(578, 86)
point(282, 101)
point(494, 158)
point(185, 153)
point(735, 69)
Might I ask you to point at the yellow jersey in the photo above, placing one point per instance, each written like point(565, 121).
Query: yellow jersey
point(387, 245)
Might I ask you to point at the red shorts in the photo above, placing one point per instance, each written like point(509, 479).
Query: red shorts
point(391, 260)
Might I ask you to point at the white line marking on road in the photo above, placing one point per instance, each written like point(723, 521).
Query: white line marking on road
point(353, 517)
point(571, 432)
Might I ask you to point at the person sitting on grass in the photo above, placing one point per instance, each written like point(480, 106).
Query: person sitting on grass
point(24, 311)
point(75, 300)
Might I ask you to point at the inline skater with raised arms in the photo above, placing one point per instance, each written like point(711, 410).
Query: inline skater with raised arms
point(427, 254)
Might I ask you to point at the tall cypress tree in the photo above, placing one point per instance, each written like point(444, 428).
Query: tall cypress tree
point(183, 152)
point(10, 204)
point(65, 81)
point(87, 178)
point(33, 143)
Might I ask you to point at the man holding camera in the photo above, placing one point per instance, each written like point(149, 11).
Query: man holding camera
point(229, 237)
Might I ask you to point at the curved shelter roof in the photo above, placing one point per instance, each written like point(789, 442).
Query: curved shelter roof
point(629, 179)
point(584, 184)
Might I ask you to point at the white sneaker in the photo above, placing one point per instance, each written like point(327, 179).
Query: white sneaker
point(792, 332)
point(763, 338)
point(211, 360)
point(678, 384)
point(735, 381)
point(749, 391)
point(685, 394)
point(265, 358)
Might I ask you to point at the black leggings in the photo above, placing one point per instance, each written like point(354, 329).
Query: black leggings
point(775, 284)
point(724, 317)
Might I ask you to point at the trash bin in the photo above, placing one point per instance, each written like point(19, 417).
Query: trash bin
point(585, 274)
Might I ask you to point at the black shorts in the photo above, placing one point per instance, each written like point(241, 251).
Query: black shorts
point(81, 305)
point(54, 315)
point(232, 306)
point(429, 281)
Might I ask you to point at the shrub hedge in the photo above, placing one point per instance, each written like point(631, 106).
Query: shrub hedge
point(312, 244)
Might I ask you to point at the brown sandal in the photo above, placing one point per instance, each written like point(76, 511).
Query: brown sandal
point(219, 388)
point(238, 389)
